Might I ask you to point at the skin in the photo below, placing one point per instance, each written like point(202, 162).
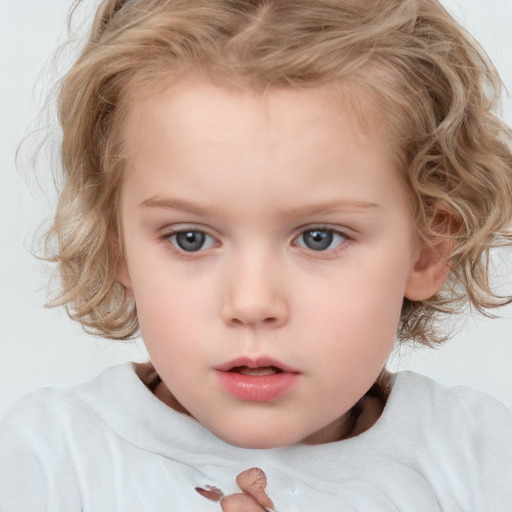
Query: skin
point(254, 172)
point(253, 497)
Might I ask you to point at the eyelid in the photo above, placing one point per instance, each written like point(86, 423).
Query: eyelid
point(184, 227)
point(342, 230)
point(169, 231)
point(323, 227)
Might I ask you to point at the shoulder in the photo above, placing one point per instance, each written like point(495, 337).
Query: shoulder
point(445, 404)
point(49, 412)
point(42, 407)
point(38, 422)
point(460, 437)
point(50, 435)
point(33, 448)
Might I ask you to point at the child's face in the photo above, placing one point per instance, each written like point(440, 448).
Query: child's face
point(269, 230)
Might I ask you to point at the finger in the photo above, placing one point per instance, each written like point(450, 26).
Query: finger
point(254, 482)
point(240, 502)
point(210, 492)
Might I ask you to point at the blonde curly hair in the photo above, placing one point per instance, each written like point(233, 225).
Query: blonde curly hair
point(436, 87)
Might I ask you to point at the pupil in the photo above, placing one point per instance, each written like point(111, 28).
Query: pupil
point(318, 240)
point(190, 241)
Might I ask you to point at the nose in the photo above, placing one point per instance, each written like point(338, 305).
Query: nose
point(256, 293)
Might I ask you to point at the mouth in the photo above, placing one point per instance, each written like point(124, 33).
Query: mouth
point(256, 366)
point(256, 372)
point(260, 379)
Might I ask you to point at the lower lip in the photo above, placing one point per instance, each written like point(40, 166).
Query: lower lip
point(262, 388)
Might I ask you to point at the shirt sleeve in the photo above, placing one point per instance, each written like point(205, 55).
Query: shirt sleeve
point(490, 444)
point(22, 485)
point(34, 471)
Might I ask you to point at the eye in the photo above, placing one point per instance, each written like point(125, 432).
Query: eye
point(191, 240)
point(320, 239)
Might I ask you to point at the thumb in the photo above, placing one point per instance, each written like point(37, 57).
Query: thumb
point(240, 502)
point(253, 481)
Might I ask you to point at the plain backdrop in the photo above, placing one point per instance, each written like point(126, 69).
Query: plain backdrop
point(42, 347)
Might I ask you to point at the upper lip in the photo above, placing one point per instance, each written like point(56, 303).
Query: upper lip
point(255, 362)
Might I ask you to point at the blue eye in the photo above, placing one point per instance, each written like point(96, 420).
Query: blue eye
point(320, 239)
point(191, 240)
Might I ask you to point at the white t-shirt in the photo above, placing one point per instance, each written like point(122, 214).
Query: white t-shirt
point(111, 445)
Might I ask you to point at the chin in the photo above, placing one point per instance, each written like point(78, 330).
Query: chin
point(257, 444)
point(244, 438)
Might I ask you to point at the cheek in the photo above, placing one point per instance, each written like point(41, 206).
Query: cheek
point(359, 314)
point(163, 311)
point(352, 341)
point(363, 328)
point(172, 311)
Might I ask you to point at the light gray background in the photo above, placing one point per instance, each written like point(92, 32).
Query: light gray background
point(41, 347)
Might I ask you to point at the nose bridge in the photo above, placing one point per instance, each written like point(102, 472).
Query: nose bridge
point(255, 294)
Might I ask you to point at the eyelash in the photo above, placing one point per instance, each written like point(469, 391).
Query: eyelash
point(334, 234)
point(170, 239)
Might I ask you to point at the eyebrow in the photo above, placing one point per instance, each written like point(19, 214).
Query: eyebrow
point(337, 206)
point(173, 204)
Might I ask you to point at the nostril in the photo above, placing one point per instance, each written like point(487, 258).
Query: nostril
point(252, 309)
point(254, 321)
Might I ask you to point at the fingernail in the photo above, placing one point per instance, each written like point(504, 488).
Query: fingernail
point(211, 493)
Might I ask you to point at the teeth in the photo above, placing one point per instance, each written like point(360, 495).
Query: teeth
point(256, 372)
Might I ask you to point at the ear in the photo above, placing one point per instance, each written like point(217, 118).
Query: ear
point(123, 277)
point(428, 275)
point(431, 266)
point(117, 250)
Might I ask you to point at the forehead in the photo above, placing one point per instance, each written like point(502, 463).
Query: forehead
point(196, 138)
point(195, 99)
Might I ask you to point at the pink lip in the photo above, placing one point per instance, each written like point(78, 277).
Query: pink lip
point(257, 388)
point(256, 362)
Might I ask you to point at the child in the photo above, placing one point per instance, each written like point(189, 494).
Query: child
point(272, 191)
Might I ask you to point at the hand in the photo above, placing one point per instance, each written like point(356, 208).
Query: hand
point(253, 498)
